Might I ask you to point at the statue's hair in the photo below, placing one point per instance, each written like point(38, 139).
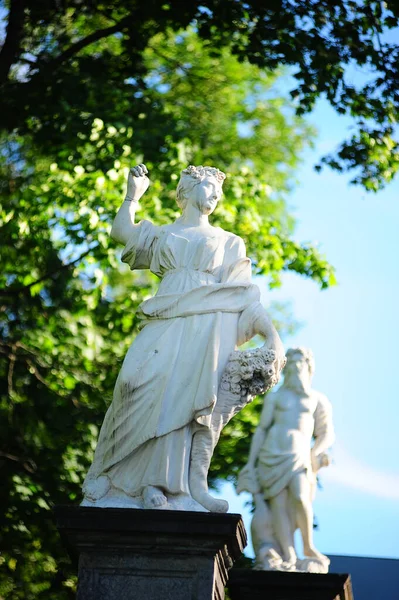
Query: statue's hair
point(191, 177)
point(307, 356)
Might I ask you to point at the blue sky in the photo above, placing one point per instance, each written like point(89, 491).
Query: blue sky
point(353, 330)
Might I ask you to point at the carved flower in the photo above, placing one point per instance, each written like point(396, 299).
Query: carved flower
point(257, 389)
point(269, 355)
point(234, 357)
point(235, 388)
point(230, 368)
point(247, 372)
point(267, 372)
point(258, 365)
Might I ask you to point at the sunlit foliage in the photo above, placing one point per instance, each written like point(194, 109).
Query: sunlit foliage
point(63, 64)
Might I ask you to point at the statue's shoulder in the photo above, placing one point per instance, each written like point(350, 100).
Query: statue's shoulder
point(147, 226)
point(226, 234)
point(231, 238)
point(276, 397)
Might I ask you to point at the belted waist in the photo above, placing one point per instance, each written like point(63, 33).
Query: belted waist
point(230, 297)
point(209, 276)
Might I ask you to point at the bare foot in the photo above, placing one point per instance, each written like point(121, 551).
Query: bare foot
point(211, 503)
point(95, 489)
point(312, 565)
point(287, 566)
point(311, 552)
point(153, 497)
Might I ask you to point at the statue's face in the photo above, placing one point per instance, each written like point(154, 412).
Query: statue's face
point(297, 369)
point(206, 195)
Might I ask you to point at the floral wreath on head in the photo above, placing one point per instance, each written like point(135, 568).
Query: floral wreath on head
point(202, 172)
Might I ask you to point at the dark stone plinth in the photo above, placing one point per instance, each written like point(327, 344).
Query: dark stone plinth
point(129, 554)
point(247, 584)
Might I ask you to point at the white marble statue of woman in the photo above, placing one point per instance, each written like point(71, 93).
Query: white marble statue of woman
point(154, 441)
point(287, 450)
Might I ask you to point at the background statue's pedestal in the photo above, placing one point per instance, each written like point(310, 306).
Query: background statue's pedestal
point(127, 554)
point(247, 584)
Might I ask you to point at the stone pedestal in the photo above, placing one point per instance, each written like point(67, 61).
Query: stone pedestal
point(247, 584)
point(128, 554)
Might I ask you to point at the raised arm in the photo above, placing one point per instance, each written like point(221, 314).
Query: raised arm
point(137, 184)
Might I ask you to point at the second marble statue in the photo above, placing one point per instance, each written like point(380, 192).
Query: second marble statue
point(282, 467)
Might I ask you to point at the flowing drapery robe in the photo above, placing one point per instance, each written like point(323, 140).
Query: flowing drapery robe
point(169, 380)
point(278, 463)
point(284, 455)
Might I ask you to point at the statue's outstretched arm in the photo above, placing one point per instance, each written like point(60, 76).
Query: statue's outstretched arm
point(137, 184)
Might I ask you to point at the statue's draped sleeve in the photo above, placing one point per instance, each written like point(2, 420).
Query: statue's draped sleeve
point(323, 425)
point(139, 248)
point(239, 270)
point(237, 267)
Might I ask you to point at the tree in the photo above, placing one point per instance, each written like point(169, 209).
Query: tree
point(63, 63)
point(68, 309)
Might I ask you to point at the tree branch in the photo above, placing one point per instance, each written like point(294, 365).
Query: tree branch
point(11, 373)
point(83, 43)
point(12, 45)
point(25, 288)
point(29, 465)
